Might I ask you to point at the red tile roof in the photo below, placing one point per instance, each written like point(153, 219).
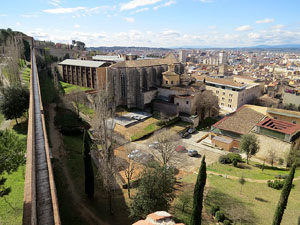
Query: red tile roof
point(279, 126)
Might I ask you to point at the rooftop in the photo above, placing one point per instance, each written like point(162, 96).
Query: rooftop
point(114, 58)
point(84, 63)
point(169, 59)
point(279, 126)
point(220, 81)
point(241, 121)
point(284, 112)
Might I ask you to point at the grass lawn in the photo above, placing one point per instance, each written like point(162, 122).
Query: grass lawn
point(70, 214)
point(255, 205)
point(252, 171)
point(86, 110)
point(11, 206)
point(147, 130)
point(26, 75)
point(68, 88)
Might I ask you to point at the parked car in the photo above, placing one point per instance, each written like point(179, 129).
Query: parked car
point(140, 157)
point(192, 153)
point(191, 130)
point(155, 145)
point(185, 134)
point(180, 149)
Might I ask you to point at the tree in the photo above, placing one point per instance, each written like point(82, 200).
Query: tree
point(76, 97)
point(242, 181)
point(12, 155)
point(250, 145)
point(284, 197)
point(196, 216)
point(166, 147)
point(88, 168)
point(206, 102)
point(129, 171)
point(272, 156)
point(15, 101)
point(293, 156)
point(155, 191)
point(104, 128)
point(185, 199)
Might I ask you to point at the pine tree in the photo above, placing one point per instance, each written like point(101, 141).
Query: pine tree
point(88, 168)
point(284, 197)
point(198, 195)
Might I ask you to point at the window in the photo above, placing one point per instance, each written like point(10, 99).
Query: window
point(294, 122)
point(187, 102)
point(171, 82)
point(177, 103)
point(167, 82)
point(230, 100)
point(230, 95)
point(123, 85)
point(222, 104)
point(217, 92)
point(223, 98)
point(224, 93)
point(229, 105)
point(275, 117)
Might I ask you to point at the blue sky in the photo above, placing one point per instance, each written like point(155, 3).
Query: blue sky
point(156, 23)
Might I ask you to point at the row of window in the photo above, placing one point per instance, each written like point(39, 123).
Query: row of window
point(224, 93)
point(229, 105)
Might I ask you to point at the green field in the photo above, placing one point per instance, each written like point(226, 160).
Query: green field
point(251, 171)
point(26, 75)
point(11, 206)
point(86, 110)
point(68, 88)
point(147, 130)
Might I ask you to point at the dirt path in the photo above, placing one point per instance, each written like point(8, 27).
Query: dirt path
point(5, 124)
point(59, 153)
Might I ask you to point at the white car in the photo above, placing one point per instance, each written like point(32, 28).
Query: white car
point(154, 144)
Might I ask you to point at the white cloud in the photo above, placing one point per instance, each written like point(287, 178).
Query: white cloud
point(244, 28)
point(3, 15)
point(129, 19)
point(206, 1)
point(278, 26)
point(64, 10)
point(141, 10)
point(76, 26)
point(29, 15)
point(54, 2)
point(137, 3)
point(18, 23)
point(171, 33)
point(267, 20)
point(212, 27)
point(166, 4)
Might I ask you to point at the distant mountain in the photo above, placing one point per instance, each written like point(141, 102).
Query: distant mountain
point(127, 48)
point(276, 46)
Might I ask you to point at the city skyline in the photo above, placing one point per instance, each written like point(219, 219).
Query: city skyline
point(156, 23)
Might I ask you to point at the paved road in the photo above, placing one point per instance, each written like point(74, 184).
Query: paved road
point(5, 124)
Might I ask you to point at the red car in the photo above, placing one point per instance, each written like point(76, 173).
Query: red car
point(180, 148)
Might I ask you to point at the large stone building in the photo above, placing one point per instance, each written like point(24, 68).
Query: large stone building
point(133, 83)
point(84, 73)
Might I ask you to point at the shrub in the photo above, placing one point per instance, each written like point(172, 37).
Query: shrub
point(226, 222)
point(276, 184)
point(280, 161)
point(281, 176)
point(224, 159)
point(214, 209)
point(235, 156)
point(220, 216)
point(235, 163)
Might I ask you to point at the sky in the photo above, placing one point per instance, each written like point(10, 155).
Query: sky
point(156, 23)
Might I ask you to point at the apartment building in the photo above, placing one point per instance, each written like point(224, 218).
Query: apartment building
point(231, 94)
point(84, 73)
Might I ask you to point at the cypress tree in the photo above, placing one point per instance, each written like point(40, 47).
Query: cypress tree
point(284, 197)
point(88, 168)
point(198, 195)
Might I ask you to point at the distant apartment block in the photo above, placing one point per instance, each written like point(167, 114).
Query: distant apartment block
point(182, 56)
point(84, 73)
point(231, 94)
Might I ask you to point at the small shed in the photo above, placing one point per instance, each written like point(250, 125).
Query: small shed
point(222, 142)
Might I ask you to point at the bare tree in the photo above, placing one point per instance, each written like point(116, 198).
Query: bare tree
point(272, 156)
point(130, 168)
point(104, 125)
point(166, 143)
point(207, 103)
point(76, 96)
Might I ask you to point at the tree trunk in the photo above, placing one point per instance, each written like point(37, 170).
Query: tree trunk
point(111, 210)
point(247, 159)
point(128, 187)
point(17, 121)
